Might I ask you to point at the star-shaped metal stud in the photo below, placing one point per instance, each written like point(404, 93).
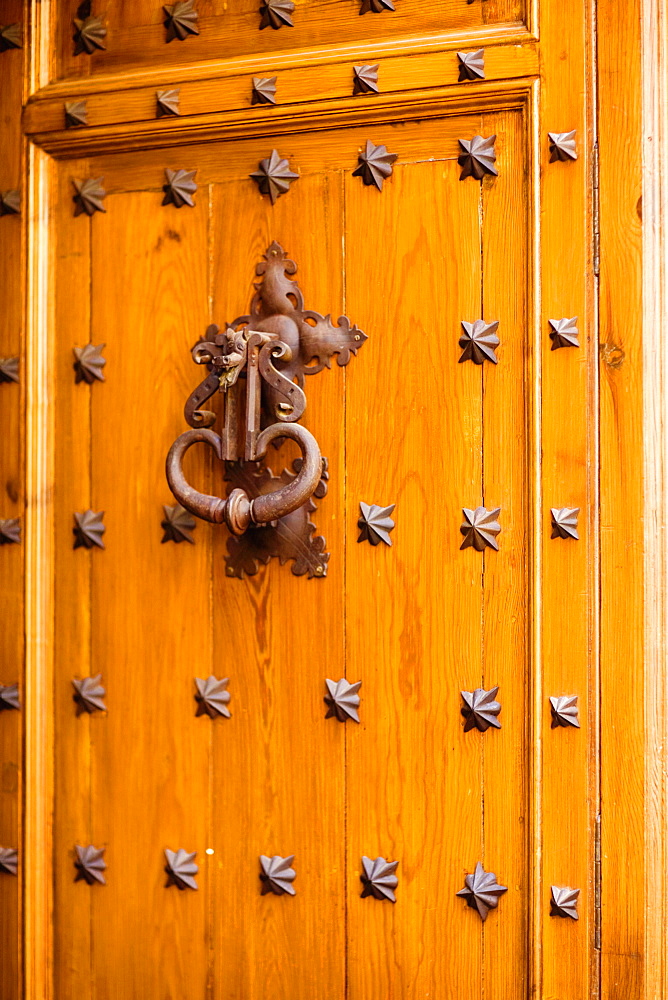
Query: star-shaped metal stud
point(379, 879)
point(9, 697)
point(180, 20)
point(481, 709)
point(76, 114)
point(89, 363)
point(565, 711)
point(482, 891)
point(274, 177)
point(90, 865)
point(181, 869)
point(563, 902)
point(277, 875)
point(212, 697)
point(88, 695)
point(480, 528)
point(564, 333)
point(562, 146)
point(89, 34)
point(365, 80)
point(343, 700)
point(264, 90)
point(375, 523)
point(9, 369)
point(10, 37)
point(375, 165)
point(167, 103)
point(565, 522)
point(471, 65)
point(89, 196)
point(10, 203)
point(88, 529)
point(9, 860)
point(478, 342)
point(477, 157)
point(10, 531)
point(180, 188)
point(277, 14)
point(177, 524)
point(376, 6)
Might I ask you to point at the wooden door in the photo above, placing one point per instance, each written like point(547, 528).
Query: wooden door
point(438, 429)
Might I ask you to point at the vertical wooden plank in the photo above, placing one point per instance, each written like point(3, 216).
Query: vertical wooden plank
point(279, 764)
point(621, 444)
point(413, 623)
point(507, 484)
point(150, 754)
point(72, 965)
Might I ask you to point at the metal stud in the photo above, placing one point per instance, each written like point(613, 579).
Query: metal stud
point(477, 157)
point(482, 891)
point(212, 697)
point(481, 709)
point(181, 869)
point(9, 860)
point(562, 146)
point(177, 524)
point(9, 697)
point(379, 878)
point(88, 695)
point(76, 114)
point(478, 342)
point(375, 165)
point(565, 522)
point(471, 65)
point(277, 14)
point(264, 90)
point(480, 528)
point(180, 188)
point(343, 700)
point(88, 529)
point(376, 6)
point(11, 37)
point(365, 80)
point(563, 902)
point(9, 370)
point(375, 523)
point(273, 176)
point(90, 30)
point(564, 333)
point(180, 20)
point(167, 103)
point(89, 196)
point(90, 865)
point(565, 711)
point(10, 203)
point(89, 363)
point(277, 875)
point(10, 531)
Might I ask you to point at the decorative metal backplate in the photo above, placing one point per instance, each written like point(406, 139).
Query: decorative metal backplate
point(89, 196)
point(274, 177)
point(90, 865)
point(375, 165)
point(10, 203)
point(9, 370)
point(343, 700)
point(9, 697)
point(89, 363)
point(180, 20)
point(565, 711)
point(264, 90)
point(379, 878)
point(365, 79)
point(88, 695)
point(168, 103)
point(76, 114)
point(88, 529)
point(177, 524)
point(481, 709)
point(564, 333)
point(180, 188)
point(9, 860)
point(277, 875)
point(212, 697)
point(477, 157)
point(375, 523)
point(277, 14)
point(481, 891)
point(562, 146)
point(565, 522)
point(480, 528)
point(478, 341)
point(11, 37)
point(181, 869)
point(90, 31)
point(10, 531)
point(471, 65)
point(563, 902)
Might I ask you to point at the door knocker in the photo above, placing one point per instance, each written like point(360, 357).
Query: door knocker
point(258, 363)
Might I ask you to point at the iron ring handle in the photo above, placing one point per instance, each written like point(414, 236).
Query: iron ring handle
point(271, 506)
